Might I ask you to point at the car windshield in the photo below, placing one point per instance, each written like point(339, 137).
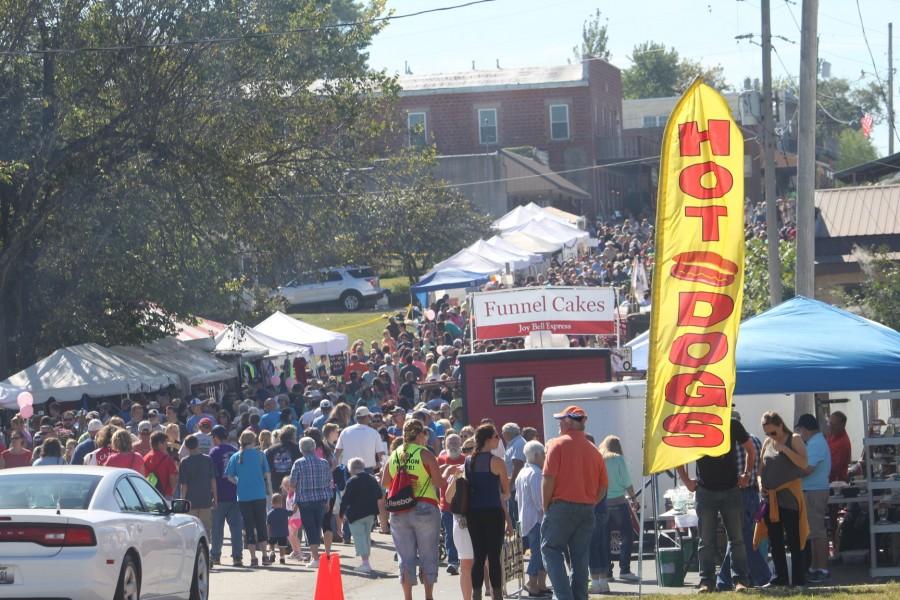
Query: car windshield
point(50, 490)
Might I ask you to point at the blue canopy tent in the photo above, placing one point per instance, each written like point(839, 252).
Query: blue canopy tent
point(804, 345)
point(449, 279)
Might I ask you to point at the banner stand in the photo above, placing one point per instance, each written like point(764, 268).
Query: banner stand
point(641, 541)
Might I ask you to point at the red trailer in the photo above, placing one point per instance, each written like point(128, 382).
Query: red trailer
point(507, 385)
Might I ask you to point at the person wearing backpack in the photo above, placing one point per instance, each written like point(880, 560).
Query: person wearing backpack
point(161, 470)
point(411, 478)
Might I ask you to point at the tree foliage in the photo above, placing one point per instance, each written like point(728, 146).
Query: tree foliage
point(841, 106)
point(756, 274)
point(660, 72)
point(879, 295)
point(854, 148)
point(143, 177)
point(594, 39)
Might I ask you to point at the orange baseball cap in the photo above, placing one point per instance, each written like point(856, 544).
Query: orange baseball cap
point(571, 412)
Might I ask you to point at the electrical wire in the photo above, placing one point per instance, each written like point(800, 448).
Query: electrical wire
point(226, 39)
point(874, 66)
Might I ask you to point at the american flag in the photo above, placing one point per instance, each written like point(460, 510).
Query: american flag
point(866, 123)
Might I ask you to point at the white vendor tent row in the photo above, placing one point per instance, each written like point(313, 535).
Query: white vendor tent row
point(91, 369)
point(467, 260)
point(193, 367)
point(526, 213)
point(517, 259)
point(320, 341)
point(250, 344)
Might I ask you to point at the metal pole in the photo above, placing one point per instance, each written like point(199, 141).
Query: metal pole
point(768, 140)
point(640, 572)
point(890, 86)
point(806, 170)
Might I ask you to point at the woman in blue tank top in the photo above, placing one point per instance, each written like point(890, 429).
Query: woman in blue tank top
point(487, 518)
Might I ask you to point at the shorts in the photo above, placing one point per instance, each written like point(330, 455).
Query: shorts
point(281, 542)
point(462, 540)
point(816, 507)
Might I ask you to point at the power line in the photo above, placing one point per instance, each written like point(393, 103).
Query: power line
point(226, 39)
point(872, 56)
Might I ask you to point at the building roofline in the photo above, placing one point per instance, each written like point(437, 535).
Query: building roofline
point(480, 89)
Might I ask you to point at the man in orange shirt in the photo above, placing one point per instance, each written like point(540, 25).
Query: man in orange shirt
point(574, 482)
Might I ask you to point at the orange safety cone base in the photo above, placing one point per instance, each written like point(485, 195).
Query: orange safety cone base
point(337, 585)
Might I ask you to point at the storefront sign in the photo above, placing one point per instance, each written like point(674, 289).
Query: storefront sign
point(563, 310)
point(697, 283)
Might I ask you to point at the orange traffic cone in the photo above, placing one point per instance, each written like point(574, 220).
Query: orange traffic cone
point(323, 585)
point(337, 585)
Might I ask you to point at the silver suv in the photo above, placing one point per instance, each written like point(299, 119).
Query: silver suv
point(352, 287)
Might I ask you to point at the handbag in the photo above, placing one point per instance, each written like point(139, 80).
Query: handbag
point(459, 500)
point(402, 495)
point(761, 512)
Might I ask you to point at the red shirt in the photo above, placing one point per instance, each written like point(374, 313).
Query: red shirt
point(577, 467)
point(359, 367)
point(16, 460)
point(840, 456)
point(443, 460)
point(126, 460)
point(164, 467)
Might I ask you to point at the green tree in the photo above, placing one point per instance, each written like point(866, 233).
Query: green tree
point(594, 39)
point(854, 148)
point(756, 274)
point(879, 295)
point(132, 181)
point(660, 72)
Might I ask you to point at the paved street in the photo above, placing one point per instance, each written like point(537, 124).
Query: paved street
point(294, 581)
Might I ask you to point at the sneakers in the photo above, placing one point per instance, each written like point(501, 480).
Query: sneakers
point(364, 569)
point(313, 564)
point(599, 586)
point(817, 575)
point(629, 577)
point(237, 562)
point(453, 569)
point(268, 559)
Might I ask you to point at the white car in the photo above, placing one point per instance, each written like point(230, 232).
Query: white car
point(91, 533)
point(351, 287)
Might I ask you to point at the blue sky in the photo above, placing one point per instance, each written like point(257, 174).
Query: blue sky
point(522, 33)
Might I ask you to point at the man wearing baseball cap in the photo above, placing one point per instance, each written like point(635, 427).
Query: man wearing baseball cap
point(360, 441)
point(198, 408)
point(88, 445)
point(574, 482)
point(204, 438)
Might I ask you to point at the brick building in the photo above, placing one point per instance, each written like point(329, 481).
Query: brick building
point(571, 114)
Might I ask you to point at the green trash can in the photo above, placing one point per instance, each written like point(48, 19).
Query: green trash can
point(691, 556)
point(670, 567)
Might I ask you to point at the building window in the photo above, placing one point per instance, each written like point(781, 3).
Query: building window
point(417, 127)
point(513, 390)
point(661, 120)
point(649, 122)
point(487, 126)
point(559, 121)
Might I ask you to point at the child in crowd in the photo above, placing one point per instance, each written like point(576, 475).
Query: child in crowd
point(277, 520)
point(295, 524)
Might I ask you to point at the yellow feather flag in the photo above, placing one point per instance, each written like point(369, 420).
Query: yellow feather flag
point(697, 289)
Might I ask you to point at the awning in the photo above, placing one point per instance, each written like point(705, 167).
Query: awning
point(449, 279)
point(321, 341)
point(239, 339)
point(193, 367)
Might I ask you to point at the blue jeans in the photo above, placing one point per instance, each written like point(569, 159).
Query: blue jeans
point(759, 568)
point(230, 513)
point(362, 535)
point(567, 526)
point(728, 503)
point(313, 515)
point(599, 553)
point(416, 534)
point(620, 520)
point(536, 563)
point(447, 526)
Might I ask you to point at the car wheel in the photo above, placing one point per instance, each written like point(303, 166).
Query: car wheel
point(351, 301)
point(129, 586)
point(200, 581)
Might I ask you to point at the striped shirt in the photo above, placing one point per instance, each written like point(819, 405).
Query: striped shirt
point(312, 480)
point(742, 459)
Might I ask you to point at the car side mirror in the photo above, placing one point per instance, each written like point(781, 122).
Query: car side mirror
point(181, 506)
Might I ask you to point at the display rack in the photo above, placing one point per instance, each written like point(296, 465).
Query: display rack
point(879, 483)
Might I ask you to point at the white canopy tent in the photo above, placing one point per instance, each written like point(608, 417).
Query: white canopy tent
point(517, 260)
point(523, 214)
point(466, 260)
point(552, 230)
point(531, 243)
point(507, 246)
point(193, 367)
point(9, 396)
point(91, 369)
point(321, 341)
point(238, 338)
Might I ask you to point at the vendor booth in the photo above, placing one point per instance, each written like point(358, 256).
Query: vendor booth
point(193, 367)
point(92, 370)
point(322, 342)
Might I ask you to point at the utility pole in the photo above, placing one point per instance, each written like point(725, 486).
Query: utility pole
point(768, 141)
point(806, 170)
point(890, 85)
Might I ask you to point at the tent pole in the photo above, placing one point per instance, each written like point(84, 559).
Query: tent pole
point(641, 538)
point(471, 300)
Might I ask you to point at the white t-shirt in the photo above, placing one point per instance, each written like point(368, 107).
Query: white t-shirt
point(359, 441)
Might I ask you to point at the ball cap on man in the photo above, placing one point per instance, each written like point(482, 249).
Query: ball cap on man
point(325, 404)
point(94, 425)
point(197, 402)
point(205, 422)
point(573, 412)
point(363, 412)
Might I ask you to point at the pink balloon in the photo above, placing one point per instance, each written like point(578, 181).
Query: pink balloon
point(25, 399)
point(27, 411)
point(289, 382)
point(275, 380)
point(429, 314)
